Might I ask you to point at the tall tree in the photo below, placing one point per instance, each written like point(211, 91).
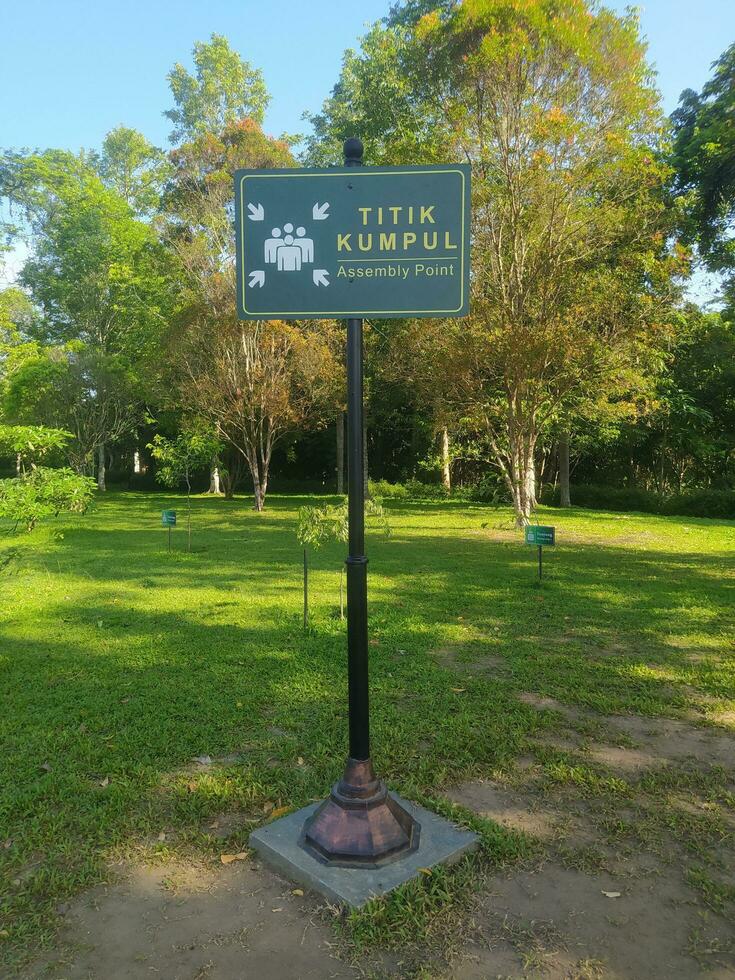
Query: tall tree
point(704, 158)
point(253, 381)
point(133, 167)
point(553, 105)
point(98, 277)
point(223, 90)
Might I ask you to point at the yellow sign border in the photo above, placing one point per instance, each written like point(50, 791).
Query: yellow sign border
point(356, 172)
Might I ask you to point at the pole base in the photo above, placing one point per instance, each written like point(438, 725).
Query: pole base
point(360, 825)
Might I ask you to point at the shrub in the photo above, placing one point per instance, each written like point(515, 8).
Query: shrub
point(695, 503)
point(43, 493)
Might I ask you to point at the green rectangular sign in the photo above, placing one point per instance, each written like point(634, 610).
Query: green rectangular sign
point(168, 518)
point(352, 242)
point(539, 534)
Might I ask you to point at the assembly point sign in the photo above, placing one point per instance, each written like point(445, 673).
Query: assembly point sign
point(353, 242)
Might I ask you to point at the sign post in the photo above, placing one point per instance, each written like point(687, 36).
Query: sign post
point(540, 535)
point(168, 519)
point(354, 242)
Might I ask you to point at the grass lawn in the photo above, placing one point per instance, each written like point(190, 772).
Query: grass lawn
point(121, 663)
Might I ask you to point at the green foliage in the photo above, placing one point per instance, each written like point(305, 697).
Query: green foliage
point(223, 90)
point(133, 167)
point(43, 493)
point(695, 503)
point(319, 524)
point(31, 443)
point(178, 458)
point(703, 154)
point(330, 522)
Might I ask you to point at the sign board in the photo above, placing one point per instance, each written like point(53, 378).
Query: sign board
point(353, 242)
point(168, 518)
point(540, 535)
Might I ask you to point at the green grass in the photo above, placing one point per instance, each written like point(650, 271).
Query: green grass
point(121, 662)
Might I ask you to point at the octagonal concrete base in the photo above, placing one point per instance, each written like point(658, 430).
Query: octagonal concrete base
point(278, 843)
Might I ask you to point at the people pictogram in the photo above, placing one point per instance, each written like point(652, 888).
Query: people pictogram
point(286, 252)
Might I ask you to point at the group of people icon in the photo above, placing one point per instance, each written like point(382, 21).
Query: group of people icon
point(288, 251)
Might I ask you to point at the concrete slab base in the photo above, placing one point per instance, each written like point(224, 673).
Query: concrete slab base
point(441, 842)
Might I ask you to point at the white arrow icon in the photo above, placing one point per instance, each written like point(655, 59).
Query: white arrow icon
point(320, 277)
point(320, 211)
point(257, 278)
point(257, 212)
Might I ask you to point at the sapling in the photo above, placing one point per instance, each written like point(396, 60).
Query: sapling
point(330, 522)
point(179, 458)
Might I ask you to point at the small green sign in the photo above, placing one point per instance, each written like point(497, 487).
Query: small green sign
point(168, 518)
point(353, 242)
point(540, 535)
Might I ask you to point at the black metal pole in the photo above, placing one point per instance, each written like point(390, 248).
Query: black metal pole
point(360, 824)
point(540, 561)
point(357, 621)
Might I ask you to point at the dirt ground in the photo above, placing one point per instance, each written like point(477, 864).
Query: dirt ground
point(610, 898)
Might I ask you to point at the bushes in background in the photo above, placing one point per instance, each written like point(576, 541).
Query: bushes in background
point(695, 503)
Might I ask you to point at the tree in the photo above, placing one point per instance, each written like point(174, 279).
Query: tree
point(553, 105)
point(703, 154)
point(253, 381)
point(76, 388)
point(316, 525)
point(31, 444)
point(39, 492)
point(133, 167)
point(179, 458)
point(99, 279)
point(223, 90)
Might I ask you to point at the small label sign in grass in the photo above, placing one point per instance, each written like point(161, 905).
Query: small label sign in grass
point(539, 535)
point(168, 519)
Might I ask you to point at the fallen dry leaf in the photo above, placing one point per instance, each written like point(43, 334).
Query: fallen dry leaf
point(162, 836)
point(203, 760)
point(611, 894)
point(300, 761)
point(46, 767)
point(104, 783)
point(279, 811)
point(229, 858)
point(276, 910)
point(192, 787)
point(298, 891)
point(459, 690)
point(267, 807)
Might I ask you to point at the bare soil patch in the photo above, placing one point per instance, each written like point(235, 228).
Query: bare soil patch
point(613, 895)
point(182, 923)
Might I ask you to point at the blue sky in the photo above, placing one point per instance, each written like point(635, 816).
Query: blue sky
point(71, 70)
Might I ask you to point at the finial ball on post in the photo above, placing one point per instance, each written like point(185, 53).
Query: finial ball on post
point(353, 150)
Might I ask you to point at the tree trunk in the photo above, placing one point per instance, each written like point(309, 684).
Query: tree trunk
point(446, 474)
point(18, 466)
point(565, 499)
point(519, 470)
point(306, 591)
point(188, 512)
point(531, 480)
point(101, 467)
point(214, 479)
point(366, 491)
point(341, 453)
